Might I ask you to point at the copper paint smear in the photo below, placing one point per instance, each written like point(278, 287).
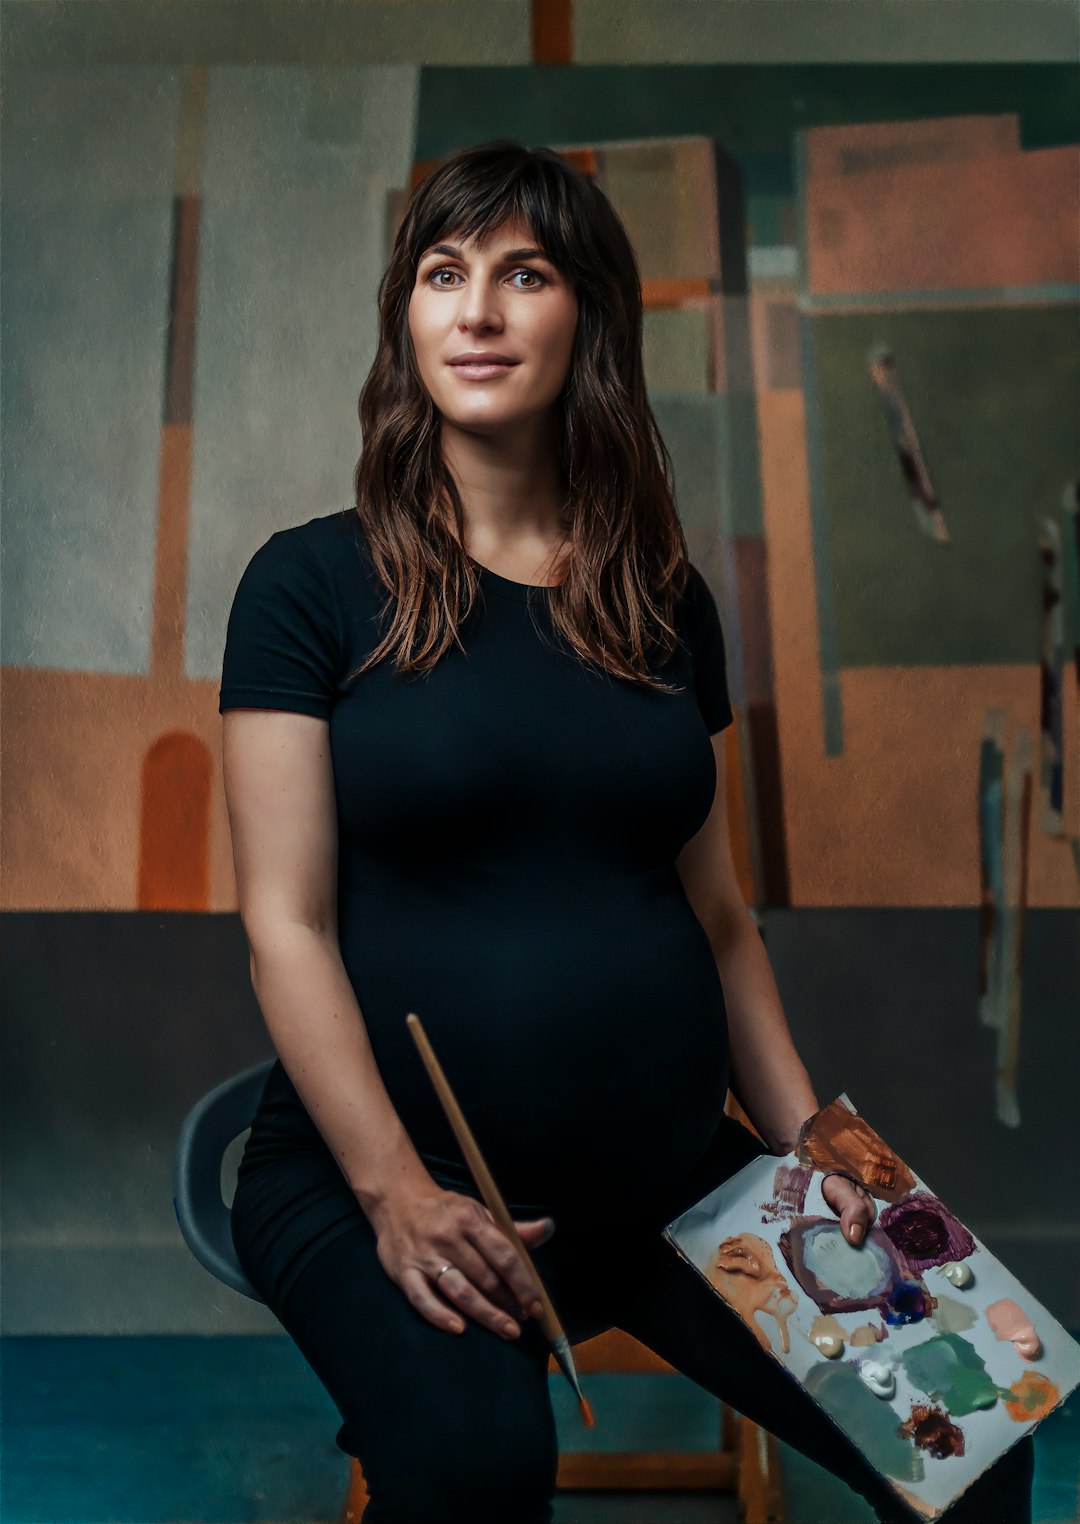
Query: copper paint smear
point(745, 1274)
point(835, 1138)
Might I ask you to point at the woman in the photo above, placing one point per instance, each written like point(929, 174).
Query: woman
point(474, 762)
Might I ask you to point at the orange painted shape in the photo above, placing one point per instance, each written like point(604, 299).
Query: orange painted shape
point(676, 291)
point(581, 158)
point(174, 825)
point(1009, 220)
point(552, 24)
point(852, 148)
point(171, 555)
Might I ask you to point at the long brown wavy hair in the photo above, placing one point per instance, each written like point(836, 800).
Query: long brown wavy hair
point(627, 564)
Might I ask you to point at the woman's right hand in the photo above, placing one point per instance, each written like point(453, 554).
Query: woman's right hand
point(422, 1229)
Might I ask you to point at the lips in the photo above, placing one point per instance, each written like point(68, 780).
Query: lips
point(484, 360)
point(485, 369)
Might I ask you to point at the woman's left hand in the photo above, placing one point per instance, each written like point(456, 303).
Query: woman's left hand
point(852, 1203)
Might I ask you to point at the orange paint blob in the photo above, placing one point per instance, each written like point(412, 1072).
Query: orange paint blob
point(1031, 1398)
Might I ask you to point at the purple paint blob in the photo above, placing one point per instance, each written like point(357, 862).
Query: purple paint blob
point(925, 1231)
point(838, 1276)
point(790, 1185)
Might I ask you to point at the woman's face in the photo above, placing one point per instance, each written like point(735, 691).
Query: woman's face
point(502, 300)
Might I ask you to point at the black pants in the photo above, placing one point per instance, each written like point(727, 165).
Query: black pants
point(458, 1428)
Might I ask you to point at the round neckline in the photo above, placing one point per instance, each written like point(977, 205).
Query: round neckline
point(506, 585)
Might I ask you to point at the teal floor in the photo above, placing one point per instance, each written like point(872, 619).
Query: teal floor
point(236, 1430)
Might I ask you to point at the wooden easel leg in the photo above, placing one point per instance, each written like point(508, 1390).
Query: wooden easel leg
point(357, 1496)
point(761, 1492)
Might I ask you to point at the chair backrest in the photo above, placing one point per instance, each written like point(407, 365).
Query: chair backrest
point(206, 1132)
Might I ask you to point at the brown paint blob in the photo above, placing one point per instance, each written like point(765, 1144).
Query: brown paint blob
point(1031, 1398)
point(934, 1431)
point(869, 1333)
point(745, 1274)
point(835, 1138)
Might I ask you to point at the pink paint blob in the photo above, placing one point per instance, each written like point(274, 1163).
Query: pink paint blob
point(1012, 1323)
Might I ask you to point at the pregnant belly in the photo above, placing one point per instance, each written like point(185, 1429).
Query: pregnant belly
point(588, 1051)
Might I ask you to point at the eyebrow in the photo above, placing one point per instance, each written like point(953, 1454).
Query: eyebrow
point(510, 254)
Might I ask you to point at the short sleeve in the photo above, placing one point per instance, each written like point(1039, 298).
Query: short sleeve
point(283, 639)
point(708, 654)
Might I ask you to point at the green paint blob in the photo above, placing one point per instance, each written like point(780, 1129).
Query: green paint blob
point(948, 1369)
point(951, 1316)
point(866, 1419)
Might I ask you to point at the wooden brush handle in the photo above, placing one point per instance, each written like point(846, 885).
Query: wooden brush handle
point(475, 1160)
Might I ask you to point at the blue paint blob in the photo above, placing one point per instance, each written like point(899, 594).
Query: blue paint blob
point(907, 1304)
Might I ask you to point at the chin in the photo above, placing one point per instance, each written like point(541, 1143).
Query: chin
point(483, 420)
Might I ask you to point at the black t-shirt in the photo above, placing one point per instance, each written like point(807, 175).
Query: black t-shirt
point(508, 826)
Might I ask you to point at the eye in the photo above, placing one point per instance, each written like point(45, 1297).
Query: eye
point(535, 277)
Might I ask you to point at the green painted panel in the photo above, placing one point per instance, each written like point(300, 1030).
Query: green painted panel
point(994, 395)
point(713, 441)
point(675, 349)
point(752, 110)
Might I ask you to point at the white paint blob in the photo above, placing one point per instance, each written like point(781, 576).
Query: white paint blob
point(878, 1377)
point(957, 1273)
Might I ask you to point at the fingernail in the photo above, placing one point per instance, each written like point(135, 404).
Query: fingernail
point(549, 1227)
point(537, 1309)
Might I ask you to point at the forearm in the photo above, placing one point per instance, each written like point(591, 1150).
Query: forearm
point(316, 1025)
point(767, 1074)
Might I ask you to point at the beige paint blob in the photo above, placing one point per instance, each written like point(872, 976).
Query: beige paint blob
point(745, 1274)
point(1012, 1323)
point(869, 1333)
point(827, 1335)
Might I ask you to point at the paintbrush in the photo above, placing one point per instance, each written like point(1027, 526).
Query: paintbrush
point(549, 1319)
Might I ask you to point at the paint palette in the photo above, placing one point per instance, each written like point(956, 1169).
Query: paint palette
point(929, 1355)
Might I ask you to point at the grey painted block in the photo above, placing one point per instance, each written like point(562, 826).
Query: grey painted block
point(87, 220)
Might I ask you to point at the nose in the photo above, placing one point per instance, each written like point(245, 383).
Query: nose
point(479, 307)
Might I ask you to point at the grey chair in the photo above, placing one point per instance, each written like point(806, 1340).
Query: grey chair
point(206, 1132)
